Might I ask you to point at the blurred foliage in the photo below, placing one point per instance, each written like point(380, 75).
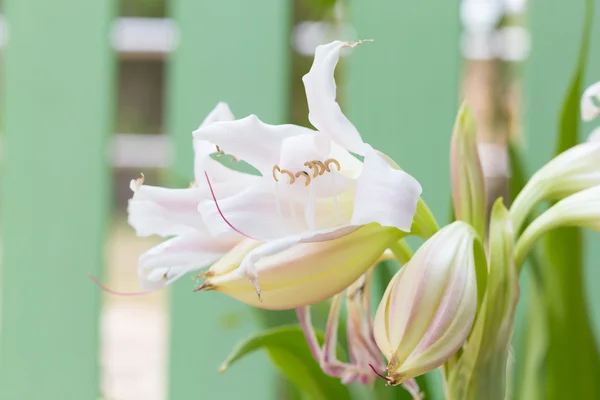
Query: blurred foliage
point(290, 353)
point(570, 336)
point(143, 8)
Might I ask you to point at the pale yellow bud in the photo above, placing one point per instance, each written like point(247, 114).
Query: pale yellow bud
point(304, 274)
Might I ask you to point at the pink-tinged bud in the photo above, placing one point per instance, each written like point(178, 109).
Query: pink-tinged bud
point(429, 306)
point(468, 185)
point(303, 274)
point(483, 369)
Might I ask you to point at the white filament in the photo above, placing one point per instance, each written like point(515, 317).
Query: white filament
point(335, 202)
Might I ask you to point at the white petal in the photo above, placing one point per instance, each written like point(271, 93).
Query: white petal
point(248, 265)
point(221, 112)
point(385, 195)
point(165, 212)
point(172, 259)
point(251, 140)
point(203, 149)
point(595, 135)
point(255, 213)
point(324, 112)
point(589, 106)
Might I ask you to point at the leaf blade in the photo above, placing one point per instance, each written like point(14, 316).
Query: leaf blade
point(288, 350)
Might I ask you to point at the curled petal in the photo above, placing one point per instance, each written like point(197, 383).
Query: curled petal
point(385, 195)
point(167, 262)
point(325, 113)
point(251, 140)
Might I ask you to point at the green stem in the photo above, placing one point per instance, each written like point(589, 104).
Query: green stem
point(402, 251)
point(539, 227)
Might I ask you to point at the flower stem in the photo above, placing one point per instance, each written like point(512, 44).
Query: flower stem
point(402, 251)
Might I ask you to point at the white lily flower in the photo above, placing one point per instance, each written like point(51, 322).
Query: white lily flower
point(590, 102)
point(173, 212)
point(312, 188)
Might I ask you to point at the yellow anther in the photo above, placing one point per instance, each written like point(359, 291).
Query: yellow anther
point(219, 150)
point(305, 175)
point(312, 166)
point(276, 168)
point(288, 173)
point(332, 161)
point(320, 164)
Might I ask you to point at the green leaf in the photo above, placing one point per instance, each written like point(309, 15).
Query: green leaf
point(481, 371)
point(572, 360)
point(290, 353)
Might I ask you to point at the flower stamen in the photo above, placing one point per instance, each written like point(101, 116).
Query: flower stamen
point(323, 167)
point(318, 168)
point(332, 161)
point(117, 293)
point(379, 375)
point(212, 193)
point(305, 175)
point(311, 165)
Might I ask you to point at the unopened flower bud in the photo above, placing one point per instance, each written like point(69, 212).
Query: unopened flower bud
point(429, 306)
point(574, 170)
point(303, 274)
point(468, 185)
point(581, 209)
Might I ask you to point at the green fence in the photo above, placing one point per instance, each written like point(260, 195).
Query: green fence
point(58, 80)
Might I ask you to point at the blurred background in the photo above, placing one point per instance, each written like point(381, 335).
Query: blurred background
point(97, 92)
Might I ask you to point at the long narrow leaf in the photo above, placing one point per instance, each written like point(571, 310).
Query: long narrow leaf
point(572, 360)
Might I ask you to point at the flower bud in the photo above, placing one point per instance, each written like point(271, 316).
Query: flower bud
point(581, 209)
point(468, 185)
point(570, 172)
point(429, 306)
point(303, 274)
point(481, 371)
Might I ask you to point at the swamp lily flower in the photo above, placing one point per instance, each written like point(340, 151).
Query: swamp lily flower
point(429, 306)
point(312, 190)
